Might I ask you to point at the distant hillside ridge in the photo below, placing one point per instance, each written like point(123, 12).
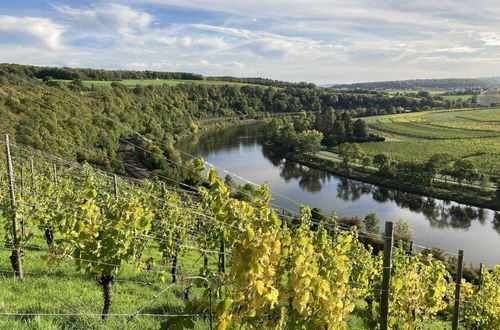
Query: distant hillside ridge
point(67, 73)
point(264, 81)
point(425, 84)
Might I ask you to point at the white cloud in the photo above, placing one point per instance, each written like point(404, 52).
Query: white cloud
point(108, 18)
point(31, 30)
point(490, 38)
point(324, 41)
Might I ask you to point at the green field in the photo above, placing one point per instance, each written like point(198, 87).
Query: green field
point(170, 82)
point(468, 133)
point(433, 93)
point(412, 91)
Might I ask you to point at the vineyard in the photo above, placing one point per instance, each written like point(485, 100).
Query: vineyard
point(196, 257)
point(473, 134)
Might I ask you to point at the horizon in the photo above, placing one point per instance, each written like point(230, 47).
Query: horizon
point(328, 43)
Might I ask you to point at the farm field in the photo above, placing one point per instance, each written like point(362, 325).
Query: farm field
point(170, 82)
point(468, 133)
point(433, 93)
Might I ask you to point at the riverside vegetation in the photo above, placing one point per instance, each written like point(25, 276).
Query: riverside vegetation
point(417, 158)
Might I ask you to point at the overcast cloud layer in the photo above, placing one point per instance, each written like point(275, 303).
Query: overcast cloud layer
point(297, 40)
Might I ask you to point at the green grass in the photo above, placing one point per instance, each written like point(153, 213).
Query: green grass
point(469, 133)
point(456, 97)
point(412, 91)
point(66, 290)
point(170, 82)
point(433, 93)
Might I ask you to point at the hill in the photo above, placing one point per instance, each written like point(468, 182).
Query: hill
point(264, 82)
point(98, 75)
point(425, 84)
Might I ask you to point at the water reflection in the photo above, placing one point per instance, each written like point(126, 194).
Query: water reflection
point(496, 222)
point(439, 213)
point(223, 141)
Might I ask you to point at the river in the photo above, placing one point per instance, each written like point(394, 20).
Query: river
point(436, 223)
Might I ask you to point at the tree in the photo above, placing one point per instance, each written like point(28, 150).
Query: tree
point(380, 160)
point(360, 130)
point(309, 141)
point(348, 125)
point(409, 172)
point(440, 163)
point(464, 170)
point(349, 152)
point(325, 120)
point(385, 165)
point(338, 131)
point(403, 230)
point(484, 182)
point(371, 223)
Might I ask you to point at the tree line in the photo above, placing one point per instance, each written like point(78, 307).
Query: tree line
point(66, 73)
point(264, 82)
point(423, 84)
point(308, 133)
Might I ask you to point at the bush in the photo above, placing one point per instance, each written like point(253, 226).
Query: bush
point(371, 223)
point(403, 230)
point(350, 221)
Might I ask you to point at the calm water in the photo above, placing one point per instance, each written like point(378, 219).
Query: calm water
point(436, 223)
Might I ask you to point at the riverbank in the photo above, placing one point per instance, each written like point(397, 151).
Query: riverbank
point(465, 194)
point(460, 194)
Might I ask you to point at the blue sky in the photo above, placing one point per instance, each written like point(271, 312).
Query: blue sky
point(321, 41)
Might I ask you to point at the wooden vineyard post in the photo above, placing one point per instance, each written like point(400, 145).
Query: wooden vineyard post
point(222, 259)
point(32, 174)
point(15, 258)
point(54, 169)
point(23, 230)
point(386, 277)
point(21, 176)
point(116, 186)
point(480, 282)
point(456, 307)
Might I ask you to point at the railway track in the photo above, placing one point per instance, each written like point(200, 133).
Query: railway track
point(129, 163)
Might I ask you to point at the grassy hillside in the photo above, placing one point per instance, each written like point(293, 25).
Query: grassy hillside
point(468, 133)
point(169, 82)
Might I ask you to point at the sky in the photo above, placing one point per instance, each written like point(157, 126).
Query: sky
point(320, 41)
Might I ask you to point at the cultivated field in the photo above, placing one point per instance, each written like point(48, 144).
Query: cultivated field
point(171, 82)
point(433, 93)
point(469, 133)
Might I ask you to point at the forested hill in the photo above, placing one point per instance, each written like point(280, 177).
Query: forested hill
point(77, 122)
point(65, 73)
point(424, 84)
point(264, 82)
